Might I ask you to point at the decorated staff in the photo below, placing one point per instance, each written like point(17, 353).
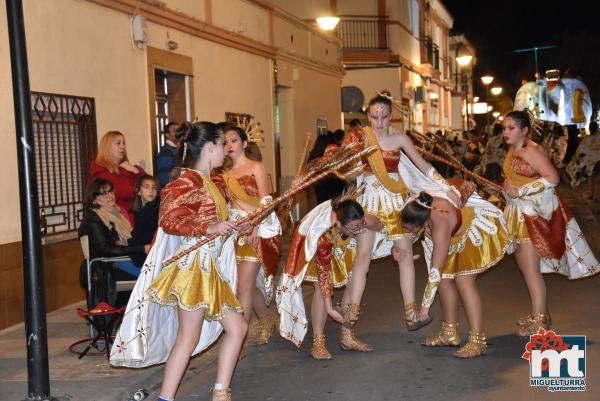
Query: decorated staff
point(303, 158)
point(346, 156)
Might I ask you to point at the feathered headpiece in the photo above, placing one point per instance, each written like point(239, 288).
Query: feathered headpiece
point(252, 129)
point(351, 193)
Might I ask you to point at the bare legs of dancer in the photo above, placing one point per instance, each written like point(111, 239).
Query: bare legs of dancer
point(188, 334)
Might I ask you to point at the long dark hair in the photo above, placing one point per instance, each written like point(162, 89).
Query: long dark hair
point(252, 150)
point(417, 211)
point(137, 202)
point(192, 138)
point(93, 189)
point(318, 149)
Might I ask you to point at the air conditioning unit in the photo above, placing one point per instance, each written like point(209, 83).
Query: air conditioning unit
point(420, 94)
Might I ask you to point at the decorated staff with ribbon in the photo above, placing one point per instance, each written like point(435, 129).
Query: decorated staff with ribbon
point(322, 251)
point(462, 237)
point(247, 186)
point(548, 238)
point(384, 175)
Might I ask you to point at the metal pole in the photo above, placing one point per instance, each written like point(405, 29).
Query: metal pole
point(466, 84)
point(38, 380)
point(487, 101)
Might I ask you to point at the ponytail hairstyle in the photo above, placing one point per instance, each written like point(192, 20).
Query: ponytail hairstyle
point(383, 97)
point(192, 138)
point(418, 210)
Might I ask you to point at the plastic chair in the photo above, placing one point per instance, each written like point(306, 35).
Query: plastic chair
point(126, 285)
point(99, 331)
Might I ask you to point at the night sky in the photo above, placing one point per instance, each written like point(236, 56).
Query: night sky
point(497, 29)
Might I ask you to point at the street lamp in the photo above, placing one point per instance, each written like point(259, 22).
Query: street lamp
point(464, 58)
point(328, 23)
point(487, 80)
point(496, 90)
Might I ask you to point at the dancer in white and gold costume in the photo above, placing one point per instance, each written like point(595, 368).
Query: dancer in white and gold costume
point(322, 251)
point(176, 311)
point(389, 174)
point(548, 238)
point(463, 237)
point(247, 187)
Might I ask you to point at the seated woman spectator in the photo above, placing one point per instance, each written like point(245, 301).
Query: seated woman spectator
point(112, 164)
point(145, 209)
point(108, 229)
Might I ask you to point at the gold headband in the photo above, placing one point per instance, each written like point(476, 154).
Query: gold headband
point(422, 204)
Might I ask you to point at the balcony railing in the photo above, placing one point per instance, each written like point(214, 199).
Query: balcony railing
point(430, 53)
point(364, 32)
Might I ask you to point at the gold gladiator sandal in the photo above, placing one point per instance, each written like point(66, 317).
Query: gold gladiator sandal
point(411, 318)
point(265, 329)
point(318, 349)
point(476, 346)
point(535, 321)
point(221, 395)
point(524, 321)
point(448, 336)
point(348, 339)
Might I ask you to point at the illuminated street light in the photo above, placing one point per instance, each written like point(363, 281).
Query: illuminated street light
point(487, 79)
point(475, 99)
point(496, 90)
point(328, 23)
point(464, 58)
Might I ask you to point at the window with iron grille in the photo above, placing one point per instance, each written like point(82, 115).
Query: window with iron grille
point(65, 139)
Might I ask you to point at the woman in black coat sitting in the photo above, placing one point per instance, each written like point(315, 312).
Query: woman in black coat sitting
point(108, 230)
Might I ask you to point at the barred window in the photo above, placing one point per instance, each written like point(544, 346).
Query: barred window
point(65, 139)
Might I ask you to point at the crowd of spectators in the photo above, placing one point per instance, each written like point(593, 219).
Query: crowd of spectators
point(121, 211)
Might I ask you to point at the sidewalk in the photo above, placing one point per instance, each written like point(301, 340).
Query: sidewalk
point(92, 378)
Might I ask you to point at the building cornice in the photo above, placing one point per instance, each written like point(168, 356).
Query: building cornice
point(169, 18)
point(182, 22)
point(329, 69)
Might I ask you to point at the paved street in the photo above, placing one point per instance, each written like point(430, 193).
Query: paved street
point(399, 369)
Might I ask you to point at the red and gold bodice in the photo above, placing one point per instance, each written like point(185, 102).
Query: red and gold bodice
point(517, 170)
point(391, 158)
point(190, 204)
point(522, 167)
point(248, 183)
